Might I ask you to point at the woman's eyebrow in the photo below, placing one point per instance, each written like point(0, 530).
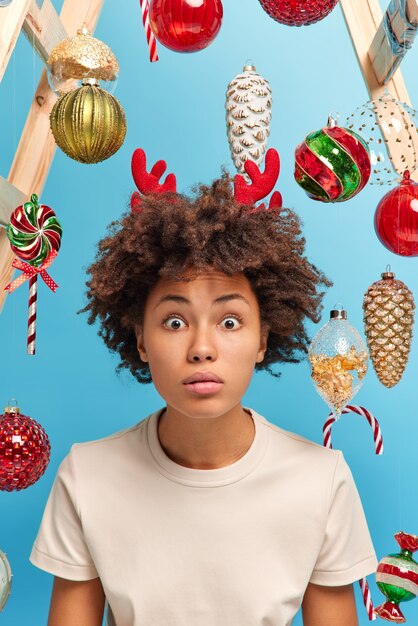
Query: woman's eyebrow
point(182, 300)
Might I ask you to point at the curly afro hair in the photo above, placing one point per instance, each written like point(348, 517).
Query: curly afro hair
point(174, 234)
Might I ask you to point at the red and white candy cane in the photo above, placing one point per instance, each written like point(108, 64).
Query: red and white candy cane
point(377, 435)
point(378, 444)
point(33, 294)
point(152, 44)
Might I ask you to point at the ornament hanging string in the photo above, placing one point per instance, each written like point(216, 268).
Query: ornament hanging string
point(31, 273)
point(378, 441)
point(152, 44)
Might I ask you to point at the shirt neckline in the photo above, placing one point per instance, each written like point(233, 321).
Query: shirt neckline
point(210, 477)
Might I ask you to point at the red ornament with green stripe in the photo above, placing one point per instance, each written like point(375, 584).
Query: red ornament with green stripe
point(332, 164)
point(397, 578)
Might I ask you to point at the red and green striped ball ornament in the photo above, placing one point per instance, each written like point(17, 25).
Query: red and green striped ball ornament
point(397, 578)
point(332, 164)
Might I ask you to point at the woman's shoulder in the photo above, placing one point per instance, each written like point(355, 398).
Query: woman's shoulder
point(295, 443)
point(123, 443)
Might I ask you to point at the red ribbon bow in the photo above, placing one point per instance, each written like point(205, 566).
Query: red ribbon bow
point(30, 270)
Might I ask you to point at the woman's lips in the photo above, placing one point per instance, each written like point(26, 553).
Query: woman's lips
point(204, 387)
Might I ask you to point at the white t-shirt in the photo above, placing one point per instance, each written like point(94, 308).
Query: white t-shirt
point(176, 546)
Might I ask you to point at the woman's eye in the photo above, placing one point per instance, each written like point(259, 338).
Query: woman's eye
point(174, 323)
point(231, 323)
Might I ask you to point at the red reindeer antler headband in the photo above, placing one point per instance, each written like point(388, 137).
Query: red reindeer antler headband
point(262, 183)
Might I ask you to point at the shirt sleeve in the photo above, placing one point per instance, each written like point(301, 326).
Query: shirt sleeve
point(60, 547)
point(347, 553)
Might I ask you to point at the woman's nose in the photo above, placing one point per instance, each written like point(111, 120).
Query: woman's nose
point(202, 348)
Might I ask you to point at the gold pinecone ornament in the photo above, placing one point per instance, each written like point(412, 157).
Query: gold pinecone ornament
point(88, 124)
point(388, 318)
point(248, 115)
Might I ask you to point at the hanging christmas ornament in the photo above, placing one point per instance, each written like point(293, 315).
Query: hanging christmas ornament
point(185, 25)
point(388, 318)
point(396, 218)
point(24, 450)
point(35, 237)
point(80, 59)
point(248, 115)
point(5, 580)
point(338, 357)
point(298, 12)
point(397, 578)
point(395, 149)
point(332, 164)
point(88, 124)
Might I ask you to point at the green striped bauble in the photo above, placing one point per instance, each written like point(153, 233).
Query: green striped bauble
point(332, 164)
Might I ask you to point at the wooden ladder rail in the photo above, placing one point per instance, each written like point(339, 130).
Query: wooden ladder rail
point(363, 19)
point(44, 29)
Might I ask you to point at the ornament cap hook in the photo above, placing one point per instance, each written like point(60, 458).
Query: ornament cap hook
point(406, 178)
point(249, 66)
point(338, 312)
point(84, 30)
point(12, 406)
point(333, 119)
point(387, 274)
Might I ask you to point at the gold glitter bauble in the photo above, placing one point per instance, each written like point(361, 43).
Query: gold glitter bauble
point(388, 318)
point(83, 58)
point(88, 124)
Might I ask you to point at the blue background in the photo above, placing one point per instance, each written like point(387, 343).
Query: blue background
point(175, 110)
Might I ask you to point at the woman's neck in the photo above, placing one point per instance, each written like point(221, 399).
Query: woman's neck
point(206, 443)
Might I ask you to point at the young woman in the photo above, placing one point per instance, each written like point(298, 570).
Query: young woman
point(204, 513)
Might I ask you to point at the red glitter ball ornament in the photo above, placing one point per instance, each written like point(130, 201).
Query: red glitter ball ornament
point(185, 25)
point(298, 12)
point(396, 218)
point(24, 450)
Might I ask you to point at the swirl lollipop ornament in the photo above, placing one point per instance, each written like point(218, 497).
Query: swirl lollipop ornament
point(35, 234)
point(338, 357)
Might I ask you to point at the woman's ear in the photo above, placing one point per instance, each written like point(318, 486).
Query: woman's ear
point(140, 344)
point(263, 344)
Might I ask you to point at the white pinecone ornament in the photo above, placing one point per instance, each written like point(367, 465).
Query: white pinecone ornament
point(248, 115)
point(388, 317)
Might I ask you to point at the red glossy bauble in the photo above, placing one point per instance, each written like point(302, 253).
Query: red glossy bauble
point(396, 218)
point(298, 12)
point(185, 25)
point(24, 450)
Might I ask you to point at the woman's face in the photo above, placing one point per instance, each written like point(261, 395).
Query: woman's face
point(208, 325)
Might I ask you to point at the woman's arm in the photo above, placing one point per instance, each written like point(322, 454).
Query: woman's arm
point(329, 606)
point(76, 603)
